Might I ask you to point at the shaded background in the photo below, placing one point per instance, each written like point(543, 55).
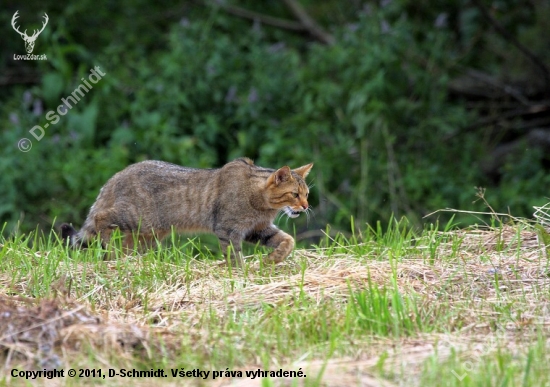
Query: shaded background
point(404, 106)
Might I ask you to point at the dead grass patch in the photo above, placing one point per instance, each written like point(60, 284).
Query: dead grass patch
point(472, 280)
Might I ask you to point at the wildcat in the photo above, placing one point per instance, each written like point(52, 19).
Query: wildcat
point(237, 202)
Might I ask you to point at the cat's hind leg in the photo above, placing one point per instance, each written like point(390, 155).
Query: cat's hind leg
point(231, 241)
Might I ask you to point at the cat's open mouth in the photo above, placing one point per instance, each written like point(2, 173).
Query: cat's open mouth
point(291, 213)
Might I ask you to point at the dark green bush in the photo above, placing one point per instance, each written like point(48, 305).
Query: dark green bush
point(371, 111)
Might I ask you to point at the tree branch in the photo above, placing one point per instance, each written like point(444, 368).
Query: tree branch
point(479, 75)
point(307, 21)
point(509, 37)
point(265, 19)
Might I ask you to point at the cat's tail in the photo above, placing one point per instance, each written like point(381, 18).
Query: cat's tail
point(72, 237)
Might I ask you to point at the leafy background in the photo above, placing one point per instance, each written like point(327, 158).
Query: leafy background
point(389, 112)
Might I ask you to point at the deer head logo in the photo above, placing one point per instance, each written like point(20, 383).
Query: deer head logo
point(29, 40)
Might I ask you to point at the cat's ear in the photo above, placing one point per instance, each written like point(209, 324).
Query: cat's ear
point(279, 176)
point(304, 170)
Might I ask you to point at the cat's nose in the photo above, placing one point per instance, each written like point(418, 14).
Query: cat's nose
point(305, 206)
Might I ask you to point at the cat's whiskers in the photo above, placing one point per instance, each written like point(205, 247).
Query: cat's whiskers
point(279, 216)
point(309, 212)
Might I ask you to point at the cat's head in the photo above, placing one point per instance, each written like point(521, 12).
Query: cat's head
point(287, 190)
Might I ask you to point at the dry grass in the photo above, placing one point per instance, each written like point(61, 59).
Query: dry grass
point(471, 281)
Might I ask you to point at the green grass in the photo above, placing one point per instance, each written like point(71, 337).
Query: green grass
point(395, 306)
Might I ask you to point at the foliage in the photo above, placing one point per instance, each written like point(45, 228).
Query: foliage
point(371, 111)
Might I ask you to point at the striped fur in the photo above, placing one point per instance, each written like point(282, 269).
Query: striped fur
point(237, 202)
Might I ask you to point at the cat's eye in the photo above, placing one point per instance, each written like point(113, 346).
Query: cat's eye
point(295, 194)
